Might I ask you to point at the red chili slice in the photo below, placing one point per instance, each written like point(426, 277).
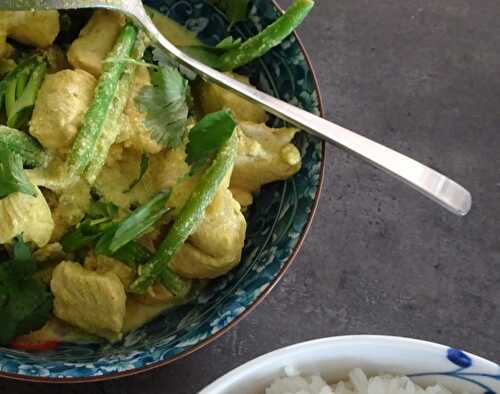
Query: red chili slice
point(34, 346)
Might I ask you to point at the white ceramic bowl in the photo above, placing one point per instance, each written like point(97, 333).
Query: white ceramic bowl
point(333, 358)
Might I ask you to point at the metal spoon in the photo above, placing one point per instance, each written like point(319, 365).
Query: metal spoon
point(427, 181)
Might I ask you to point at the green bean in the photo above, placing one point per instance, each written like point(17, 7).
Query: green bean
point(189, 217)
point(84, 147)
point(111, 125)
point(270, 37)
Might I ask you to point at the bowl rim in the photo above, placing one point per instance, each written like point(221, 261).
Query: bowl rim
point(250, 308)
point(227, 380)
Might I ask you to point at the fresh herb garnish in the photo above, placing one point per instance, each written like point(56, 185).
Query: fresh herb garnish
point(100, 216)
point(25, 304)
point(118, 239)
point(135, 225)
point(142, 171)
point(235, 10)
point(206, 138)
point(88, 231)
point(112, 237)
point(12, 176)
point(166, 106)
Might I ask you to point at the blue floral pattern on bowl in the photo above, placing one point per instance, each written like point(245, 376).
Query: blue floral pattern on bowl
point(464, 363)
point(278, 221)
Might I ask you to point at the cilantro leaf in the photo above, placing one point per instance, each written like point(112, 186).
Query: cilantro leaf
point(235, 10)
point(25, 265)
point(27, 308)
point(162, 58)
point(205, 139)
point(25, 304)
point(166, 107)
point(12, 176)
point(21, 251)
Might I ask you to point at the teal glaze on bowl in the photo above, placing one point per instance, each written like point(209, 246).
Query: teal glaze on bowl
point(277, 225)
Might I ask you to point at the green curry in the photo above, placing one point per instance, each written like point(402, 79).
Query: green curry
point(123, 184)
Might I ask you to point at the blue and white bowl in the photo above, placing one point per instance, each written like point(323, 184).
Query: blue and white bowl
point(278, 223)
point(425, 362)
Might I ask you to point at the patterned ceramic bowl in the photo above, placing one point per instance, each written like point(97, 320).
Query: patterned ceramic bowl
point(425, 362)
point(279, 221)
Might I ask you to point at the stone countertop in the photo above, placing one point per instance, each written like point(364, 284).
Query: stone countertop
point(423, 77)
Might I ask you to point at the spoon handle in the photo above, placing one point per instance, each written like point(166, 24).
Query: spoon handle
point(427, 181)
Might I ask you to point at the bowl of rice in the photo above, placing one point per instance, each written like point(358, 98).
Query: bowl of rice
point(363, 365)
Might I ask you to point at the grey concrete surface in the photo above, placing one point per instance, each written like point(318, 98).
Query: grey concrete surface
point(422, 76)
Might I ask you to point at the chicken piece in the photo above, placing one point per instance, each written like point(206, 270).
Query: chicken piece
point(60, 107)
point(213, 98)
point(138, 313)
point(264, 155)
point(92, 301)
point(73, 203)
point(36, 28)
point(134, 134)
point(96, 40)
point(104, 264)
point(243, 197)
point(27, 215)
point(216, 245)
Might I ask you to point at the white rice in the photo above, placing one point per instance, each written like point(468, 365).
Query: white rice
point(358, 383)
